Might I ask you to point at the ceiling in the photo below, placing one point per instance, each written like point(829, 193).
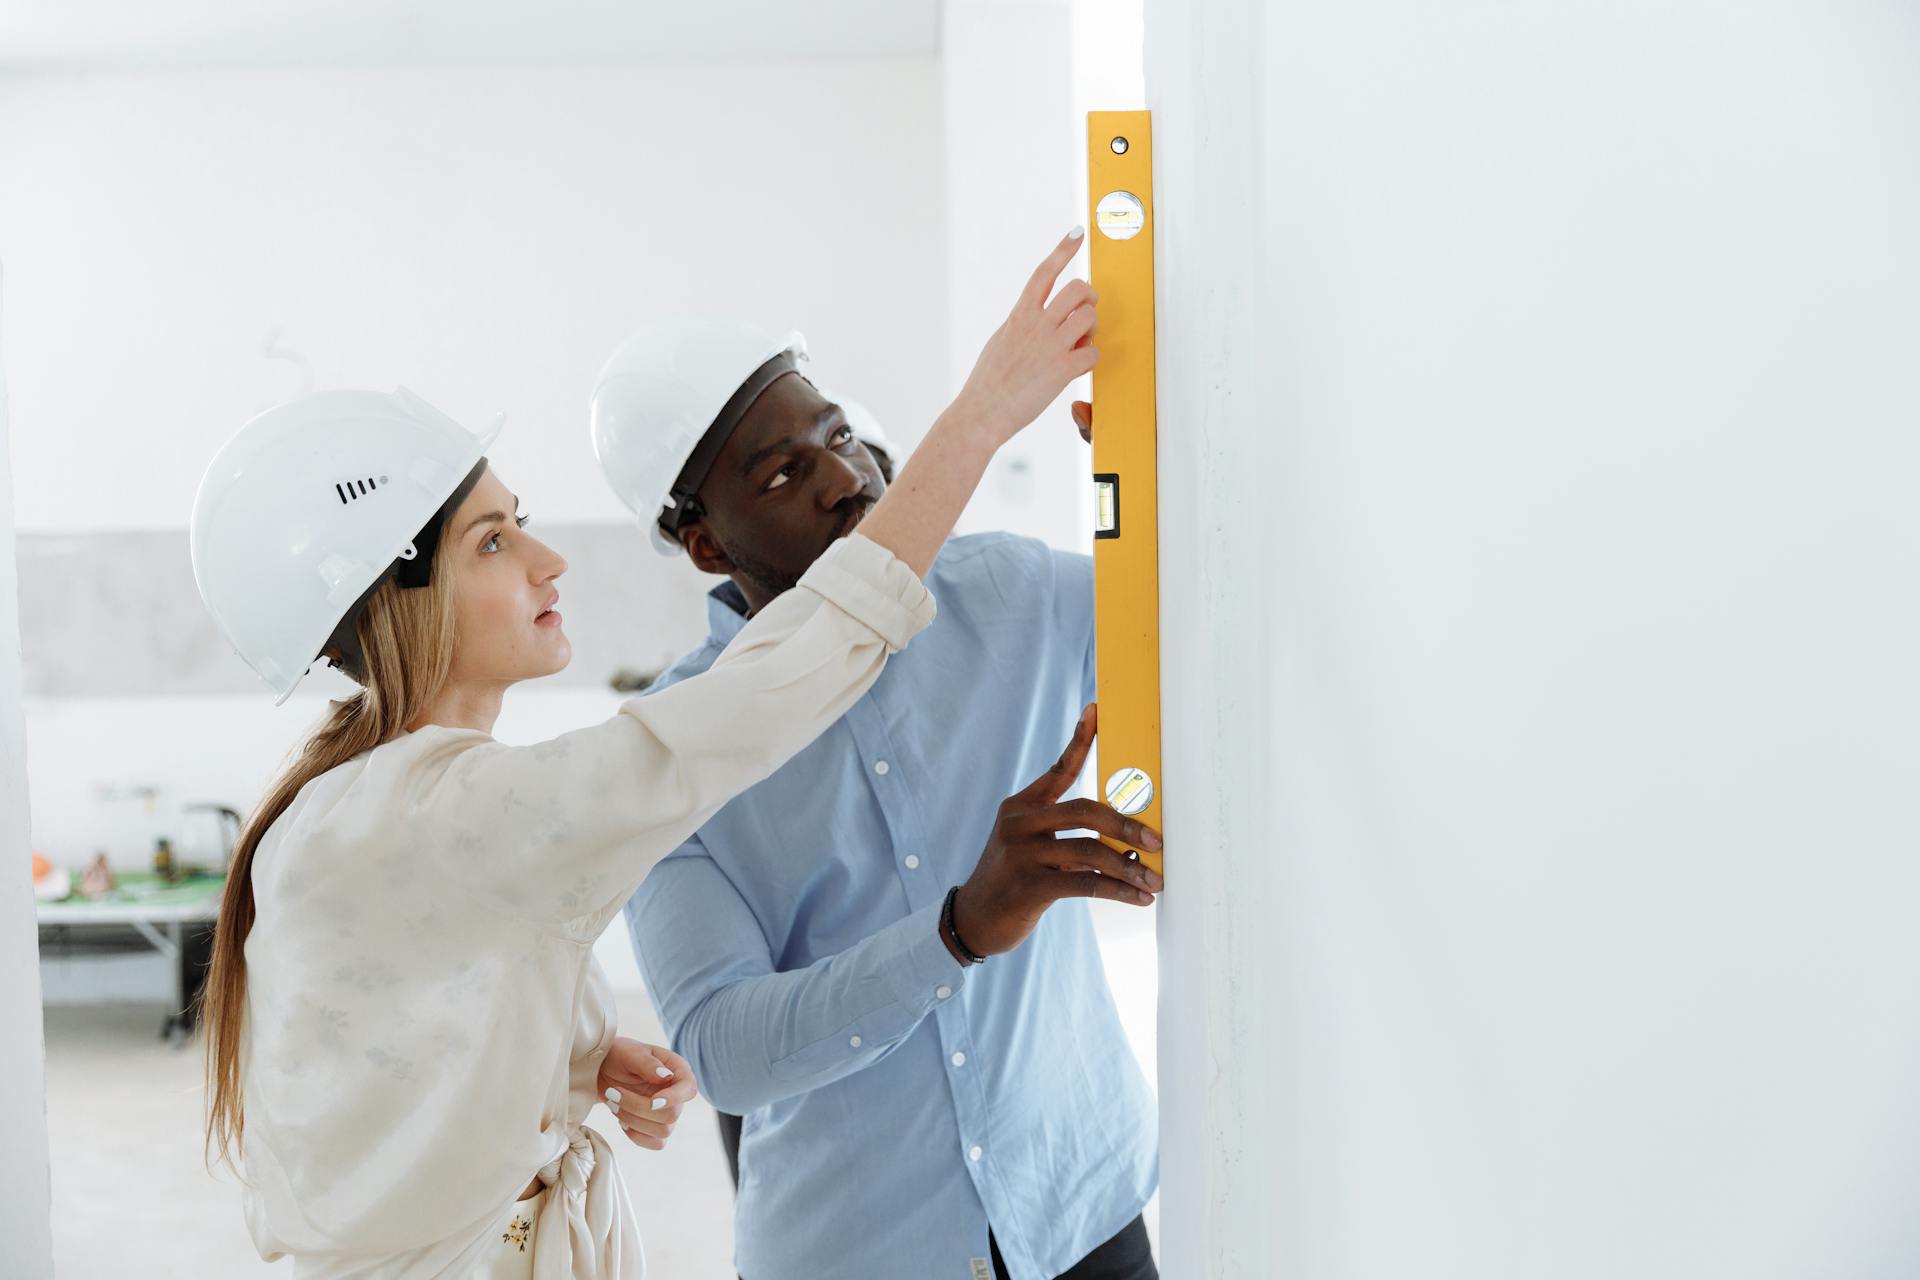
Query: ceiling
point(65, 35)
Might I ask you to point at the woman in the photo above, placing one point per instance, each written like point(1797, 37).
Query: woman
point(405, 1047)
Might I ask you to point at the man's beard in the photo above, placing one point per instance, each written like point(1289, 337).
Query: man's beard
point(769, 579)
point(772, 580)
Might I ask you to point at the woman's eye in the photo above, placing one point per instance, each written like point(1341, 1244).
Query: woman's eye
point(492, 543)
point(843, 436)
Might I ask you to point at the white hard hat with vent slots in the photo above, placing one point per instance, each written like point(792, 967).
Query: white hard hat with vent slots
point(663, 388)
point(309, 506)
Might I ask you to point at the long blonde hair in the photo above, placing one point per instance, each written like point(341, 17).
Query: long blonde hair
point(406, 637)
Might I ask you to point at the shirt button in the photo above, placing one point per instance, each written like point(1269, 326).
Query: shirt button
point(942, 992)
point(975, 1154)
point(880, 767)
point(855, 1042)
point(913, 862)
point(959, 1059)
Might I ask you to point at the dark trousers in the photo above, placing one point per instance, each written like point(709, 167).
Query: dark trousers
point(1127, 1256)
point(730, 1140)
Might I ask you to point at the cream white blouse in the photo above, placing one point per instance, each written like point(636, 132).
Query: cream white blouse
point(425, 1022)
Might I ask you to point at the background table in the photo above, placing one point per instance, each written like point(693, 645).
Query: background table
point(175, 919)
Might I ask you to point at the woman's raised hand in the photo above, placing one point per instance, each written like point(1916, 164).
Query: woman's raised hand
point(1042, 346)
point(1026, 364)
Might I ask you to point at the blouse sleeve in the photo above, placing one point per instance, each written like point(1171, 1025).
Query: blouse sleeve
point(564, 830)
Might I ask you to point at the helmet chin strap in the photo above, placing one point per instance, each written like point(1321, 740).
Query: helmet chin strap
point(409, 571)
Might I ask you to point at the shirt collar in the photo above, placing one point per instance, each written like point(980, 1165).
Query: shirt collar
point(726, 612)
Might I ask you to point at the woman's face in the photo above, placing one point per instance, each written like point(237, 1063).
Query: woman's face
point(506, 619)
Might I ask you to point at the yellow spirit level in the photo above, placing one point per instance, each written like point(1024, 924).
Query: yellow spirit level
point(1126, 548)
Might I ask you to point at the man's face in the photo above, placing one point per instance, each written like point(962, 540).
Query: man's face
point(790, 481)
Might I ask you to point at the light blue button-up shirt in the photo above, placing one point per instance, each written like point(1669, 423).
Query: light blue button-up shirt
point(896, 1104)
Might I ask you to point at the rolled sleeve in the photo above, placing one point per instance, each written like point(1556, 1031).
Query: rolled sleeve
point(561, 831)
point(874, 587)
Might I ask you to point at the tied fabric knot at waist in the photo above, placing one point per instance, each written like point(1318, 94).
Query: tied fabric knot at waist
point(586, 1229)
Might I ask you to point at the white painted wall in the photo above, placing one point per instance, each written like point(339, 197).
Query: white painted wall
point(1014, 160)
point(484, 236)
point(25, 1192)
point(1538, 402)
point(198, 35)
point(1224, 1070)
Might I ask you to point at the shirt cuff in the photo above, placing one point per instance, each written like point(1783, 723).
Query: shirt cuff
point(917, 974)
point(927, 975)
point(874, 587)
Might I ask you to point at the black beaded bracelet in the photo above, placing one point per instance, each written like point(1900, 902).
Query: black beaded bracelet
point(946, 922)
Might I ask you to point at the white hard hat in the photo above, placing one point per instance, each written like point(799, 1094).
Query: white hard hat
point(660, 392)
point(309, 506)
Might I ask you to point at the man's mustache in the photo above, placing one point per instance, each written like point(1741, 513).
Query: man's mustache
point(850, 511)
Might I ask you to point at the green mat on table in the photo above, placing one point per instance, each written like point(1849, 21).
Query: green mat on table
point(145, 887)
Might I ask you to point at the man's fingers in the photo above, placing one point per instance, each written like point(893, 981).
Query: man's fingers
point(1053, 784)
point(1083, 884)
point(1040, 284)
point(1093, 816)
point(1083, 854)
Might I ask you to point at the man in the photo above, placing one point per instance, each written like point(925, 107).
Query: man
point(907, 1111)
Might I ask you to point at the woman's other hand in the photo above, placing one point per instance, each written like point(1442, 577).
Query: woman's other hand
point(645, 1086)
